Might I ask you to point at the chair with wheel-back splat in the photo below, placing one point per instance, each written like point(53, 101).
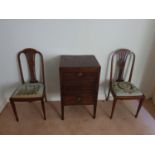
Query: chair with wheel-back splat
point(32, 90)
point(120, 88)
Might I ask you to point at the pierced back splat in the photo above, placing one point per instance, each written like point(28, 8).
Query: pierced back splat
point(31, 64)
point(121, 61)
point(30, 57)
point(122, 55)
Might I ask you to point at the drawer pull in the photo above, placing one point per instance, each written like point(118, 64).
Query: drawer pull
point(79, 99)
point(80, 74)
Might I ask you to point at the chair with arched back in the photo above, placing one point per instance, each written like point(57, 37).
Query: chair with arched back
point(120, 88)
point(33, 90)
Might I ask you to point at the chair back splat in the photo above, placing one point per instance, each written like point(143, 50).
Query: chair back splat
point(30, 55)
point(121, 56)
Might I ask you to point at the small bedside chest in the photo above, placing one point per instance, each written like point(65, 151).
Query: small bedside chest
point(79, 81)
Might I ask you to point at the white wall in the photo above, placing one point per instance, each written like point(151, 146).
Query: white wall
point(56, 37)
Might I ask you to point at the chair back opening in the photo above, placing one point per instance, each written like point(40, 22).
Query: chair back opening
point(30, 55)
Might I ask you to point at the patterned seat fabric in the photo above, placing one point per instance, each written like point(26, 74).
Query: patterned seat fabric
point(125, 89)
point(29, 90)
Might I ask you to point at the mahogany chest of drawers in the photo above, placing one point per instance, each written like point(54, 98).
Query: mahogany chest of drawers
point(79, 81)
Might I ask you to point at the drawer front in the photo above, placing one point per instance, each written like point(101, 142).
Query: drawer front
point(79, 89)
point(79, 76)
point(79, 100)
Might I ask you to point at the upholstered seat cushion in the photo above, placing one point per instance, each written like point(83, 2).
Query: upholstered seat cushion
point(29, 90)
point(125, 89)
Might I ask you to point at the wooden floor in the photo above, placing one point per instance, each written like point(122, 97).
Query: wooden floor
point(78, 119)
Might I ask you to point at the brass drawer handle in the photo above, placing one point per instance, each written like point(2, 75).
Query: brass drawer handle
point(80, 74)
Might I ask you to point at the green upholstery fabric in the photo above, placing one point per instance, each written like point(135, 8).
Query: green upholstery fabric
point(125, 89)
point(29, 90)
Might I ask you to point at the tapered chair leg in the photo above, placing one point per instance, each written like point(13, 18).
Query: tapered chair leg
point(107, 98)
point(62, 111)
point(14, 110)
point(94, 115)
point(139, 107)
point(43, 108)
point(45, 96)
point(113, 108)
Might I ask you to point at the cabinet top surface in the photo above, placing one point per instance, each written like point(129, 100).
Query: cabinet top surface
point(78, 61)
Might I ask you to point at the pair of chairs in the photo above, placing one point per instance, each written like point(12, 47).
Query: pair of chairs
point(35, 90)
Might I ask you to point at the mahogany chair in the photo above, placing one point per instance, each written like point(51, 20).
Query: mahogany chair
point(32, 90)
point(120, 88)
